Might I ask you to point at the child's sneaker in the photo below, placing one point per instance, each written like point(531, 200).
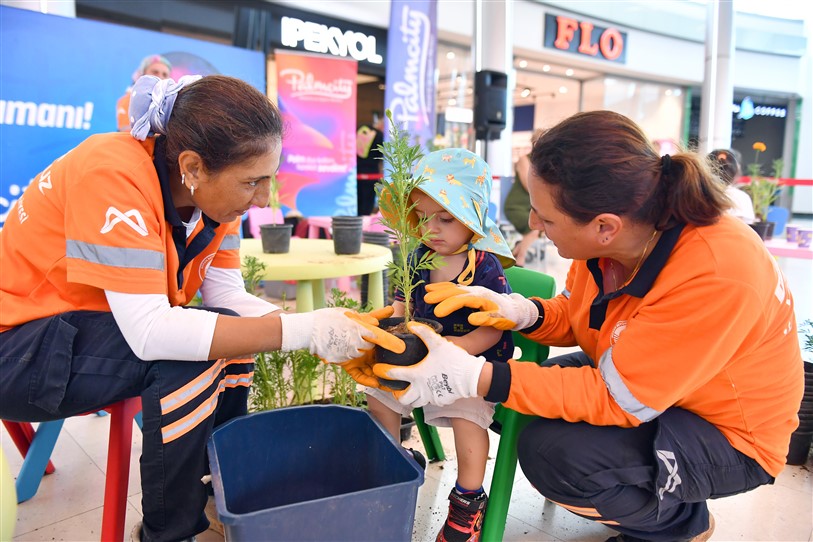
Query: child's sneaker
point(465, 519)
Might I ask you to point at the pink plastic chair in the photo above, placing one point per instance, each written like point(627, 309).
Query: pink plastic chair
point(262, 215)
point(37, 446)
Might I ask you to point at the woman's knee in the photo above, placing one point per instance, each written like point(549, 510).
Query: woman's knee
point(544, 451)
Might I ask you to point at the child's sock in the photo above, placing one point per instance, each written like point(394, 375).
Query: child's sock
point(469, 492)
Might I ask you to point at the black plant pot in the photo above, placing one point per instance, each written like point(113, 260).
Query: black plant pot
point(347, 239)
point(799, 447)
point(761, 228)
point(415, 349)
point(276, 238)
point(407, 424)
point(769, 232)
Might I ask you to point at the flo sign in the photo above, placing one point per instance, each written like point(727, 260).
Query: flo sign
point(585, 38)
point(321, 38)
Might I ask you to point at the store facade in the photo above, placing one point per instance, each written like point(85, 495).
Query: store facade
point(644, 61)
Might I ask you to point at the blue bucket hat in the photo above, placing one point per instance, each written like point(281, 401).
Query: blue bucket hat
point(460, 181)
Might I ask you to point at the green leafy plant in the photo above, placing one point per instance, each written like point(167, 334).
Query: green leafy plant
point(400, 179)
point(761, 189)
point(284, 379)
point(806, 331)
point(777, 166)
point(274, 201)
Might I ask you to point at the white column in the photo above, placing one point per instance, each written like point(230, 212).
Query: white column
point(493, 24)
point(718, 87)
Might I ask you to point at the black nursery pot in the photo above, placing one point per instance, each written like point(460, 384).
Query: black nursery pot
point(276, 238)
point(415, 349)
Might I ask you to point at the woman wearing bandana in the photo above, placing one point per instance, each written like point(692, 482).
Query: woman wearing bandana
point(103, 252)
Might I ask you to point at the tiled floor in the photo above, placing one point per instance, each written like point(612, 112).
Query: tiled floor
point(68, 505)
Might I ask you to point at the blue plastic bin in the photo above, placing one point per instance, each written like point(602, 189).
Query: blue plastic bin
point(321, 472)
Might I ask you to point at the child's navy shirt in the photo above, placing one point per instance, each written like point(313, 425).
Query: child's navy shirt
point(488, 273)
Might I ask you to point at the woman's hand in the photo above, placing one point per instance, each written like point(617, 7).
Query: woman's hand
point(446, 374)
point(502, 311)
point(337, 335)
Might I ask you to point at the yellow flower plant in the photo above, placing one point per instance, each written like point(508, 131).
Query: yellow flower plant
point(761, 189)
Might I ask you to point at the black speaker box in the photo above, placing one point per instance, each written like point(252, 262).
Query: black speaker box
point(490, 102)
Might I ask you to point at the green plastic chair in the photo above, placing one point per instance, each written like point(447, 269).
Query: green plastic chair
point(528, 283)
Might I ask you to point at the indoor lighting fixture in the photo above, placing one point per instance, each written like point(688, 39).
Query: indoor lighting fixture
point(523, 63)
point(563, 90)
point(545, 68)
point(525, 92)
point(569, 72)
point(450, 55)
point(452, 101)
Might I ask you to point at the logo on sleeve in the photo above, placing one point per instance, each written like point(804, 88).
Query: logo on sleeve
point(131, 218)
point(619, 328)
point(204, 266)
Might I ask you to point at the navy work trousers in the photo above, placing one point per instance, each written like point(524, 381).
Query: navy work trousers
point(79, 362)
point(649, 482)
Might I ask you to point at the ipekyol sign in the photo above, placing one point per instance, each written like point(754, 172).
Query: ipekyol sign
point(585, 38)
point(271, 27)
point(332, 40)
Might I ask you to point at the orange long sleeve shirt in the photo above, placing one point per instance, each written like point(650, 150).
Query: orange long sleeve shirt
point(706, 325)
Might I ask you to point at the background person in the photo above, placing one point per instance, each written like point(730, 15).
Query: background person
point(689, 378)
point(105, 249)
point(369, 164)
point(458, 185)
point(518, 205)
point(727, 166)
point(155, 65)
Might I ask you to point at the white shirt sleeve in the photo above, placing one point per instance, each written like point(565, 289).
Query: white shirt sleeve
point(155, 330)
point(225, 288)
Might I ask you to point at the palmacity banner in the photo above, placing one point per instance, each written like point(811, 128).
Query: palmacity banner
point(411, 46)
point(317, 98)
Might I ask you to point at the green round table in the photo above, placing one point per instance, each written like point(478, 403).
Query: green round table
point(310, 261)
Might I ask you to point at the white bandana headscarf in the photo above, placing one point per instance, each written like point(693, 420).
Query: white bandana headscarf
point(151, 103)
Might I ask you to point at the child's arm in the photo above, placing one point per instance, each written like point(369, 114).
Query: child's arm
point(397, 309)
point(478, 341)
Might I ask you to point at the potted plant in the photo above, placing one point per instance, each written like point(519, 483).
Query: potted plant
point(400, 178)
point(762, 190)
point(276, 237)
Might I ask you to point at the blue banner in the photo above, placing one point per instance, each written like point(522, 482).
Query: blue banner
point(61, 78)
point(411, 55)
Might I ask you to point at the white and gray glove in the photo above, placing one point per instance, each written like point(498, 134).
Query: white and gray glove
point(501, 311)
point(446, 374)
point(336, 334)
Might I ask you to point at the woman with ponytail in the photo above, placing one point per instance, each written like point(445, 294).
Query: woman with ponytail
point(103, 252)
point(689, 375)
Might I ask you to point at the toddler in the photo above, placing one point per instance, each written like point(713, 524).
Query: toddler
point(455, 198)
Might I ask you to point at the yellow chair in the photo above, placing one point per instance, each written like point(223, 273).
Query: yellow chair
point(8, 500)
